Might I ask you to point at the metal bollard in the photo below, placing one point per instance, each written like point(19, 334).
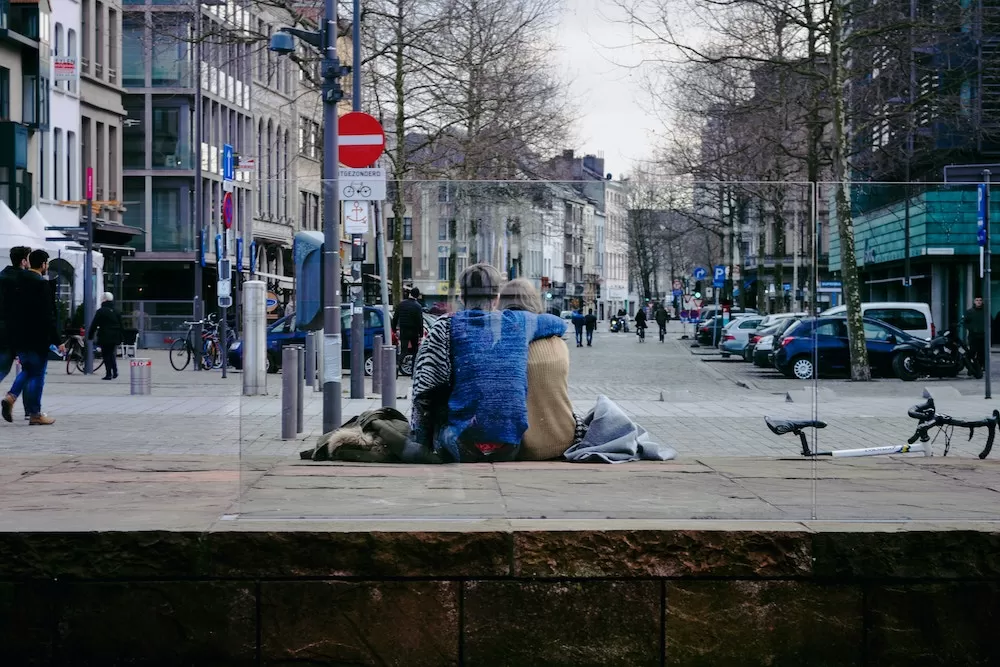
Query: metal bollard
point(377, 365)
point(141, 377)
point(310, 359)
point(300, 388)
point(388, 376)
point(254, 338)
point(289, 393)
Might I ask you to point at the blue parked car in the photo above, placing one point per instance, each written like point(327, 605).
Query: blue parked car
point(283, 332)
point(824, 339)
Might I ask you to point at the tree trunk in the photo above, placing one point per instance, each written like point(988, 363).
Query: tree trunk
point(860, 370)
point(399, 201)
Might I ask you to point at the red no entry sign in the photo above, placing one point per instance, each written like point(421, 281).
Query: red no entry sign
point(361, 140)
point(227, 210)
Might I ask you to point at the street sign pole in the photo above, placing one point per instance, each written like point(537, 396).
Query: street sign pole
point(88, 276)
point(225, 299)
point(357, 281)
point(987, 284)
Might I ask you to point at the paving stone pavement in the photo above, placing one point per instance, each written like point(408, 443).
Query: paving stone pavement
point(707, 409)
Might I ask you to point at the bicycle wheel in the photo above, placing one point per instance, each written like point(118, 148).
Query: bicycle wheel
point(210, 354)
point(71, 357)
point(180, 354)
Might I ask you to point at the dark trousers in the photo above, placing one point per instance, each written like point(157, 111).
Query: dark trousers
point(110, 355)
point(579, 336)
point(590, 337)
point(409, 344)
point(6, 363)
point(977, 342)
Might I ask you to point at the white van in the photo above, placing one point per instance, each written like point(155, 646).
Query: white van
point(913, 318)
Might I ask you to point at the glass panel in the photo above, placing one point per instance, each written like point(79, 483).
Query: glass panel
point(171, 229)
point(133, 52)
point(717, 258)
point(171, 66)
point(171, 149)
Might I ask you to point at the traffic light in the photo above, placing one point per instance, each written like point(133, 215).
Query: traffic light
point(697, 289)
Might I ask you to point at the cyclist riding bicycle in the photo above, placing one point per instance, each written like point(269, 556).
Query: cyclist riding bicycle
point(640, 324)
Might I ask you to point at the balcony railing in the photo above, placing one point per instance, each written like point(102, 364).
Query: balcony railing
point(85, 65)
point(98, 70)
point(112, 76)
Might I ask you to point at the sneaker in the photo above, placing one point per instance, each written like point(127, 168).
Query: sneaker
point(7, 407)
point(41, 419)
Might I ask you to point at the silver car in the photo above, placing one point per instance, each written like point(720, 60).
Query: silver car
point(736, 334)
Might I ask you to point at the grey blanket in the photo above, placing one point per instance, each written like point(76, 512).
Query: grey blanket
point(612, 437)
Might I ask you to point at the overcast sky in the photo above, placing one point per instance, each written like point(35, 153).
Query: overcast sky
point(608, 96)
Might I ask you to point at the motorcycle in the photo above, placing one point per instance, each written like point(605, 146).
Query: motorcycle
point(943, 356)
point(616, 324)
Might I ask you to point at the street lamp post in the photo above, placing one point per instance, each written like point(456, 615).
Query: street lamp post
point(325, 39)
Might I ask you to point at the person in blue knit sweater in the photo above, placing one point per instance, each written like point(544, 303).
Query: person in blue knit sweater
point(470, 378)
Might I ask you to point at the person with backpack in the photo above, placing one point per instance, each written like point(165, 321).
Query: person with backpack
point(590, 322)
point(640, 324)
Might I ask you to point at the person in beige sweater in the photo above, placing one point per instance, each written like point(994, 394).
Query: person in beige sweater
point(552, 426)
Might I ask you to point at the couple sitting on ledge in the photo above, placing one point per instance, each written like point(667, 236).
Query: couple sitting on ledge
point(490, 382)
point(490, 385)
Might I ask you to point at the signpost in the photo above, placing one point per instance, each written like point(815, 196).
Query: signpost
point(982, 176)
point(361, 141)
point(718, 282)
point(224, 290)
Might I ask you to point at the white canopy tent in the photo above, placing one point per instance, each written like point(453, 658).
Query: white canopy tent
point(32, 232)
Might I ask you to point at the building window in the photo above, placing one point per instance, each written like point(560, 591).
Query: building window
point(71, 51)
point(4, 93)
point(407, 228)
point(168, 153)
point(71, 175)
point(84, 29)
point(113, 42)
point(407, 268)
point(134, 136)
point(169, 229)
point(460, 263)
point(133, 52)
point(443, 229)
point(58, 175)
point(442, 268)
point(99, 39)
point(303, 209)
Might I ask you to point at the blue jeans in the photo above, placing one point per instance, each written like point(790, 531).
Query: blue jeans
point(34, 364)
point(6, 362)
point(579, 336)
point(590, 336)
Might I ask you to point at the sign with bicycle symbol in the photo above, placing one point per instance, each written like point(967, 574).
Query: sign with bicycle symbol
point(362, 184)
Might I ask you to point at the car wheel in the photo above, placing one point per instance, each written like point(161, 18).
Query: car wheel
point(725, 355)
point(905, 367)
point(802, 368)
point(406, 365)
point(369, 365)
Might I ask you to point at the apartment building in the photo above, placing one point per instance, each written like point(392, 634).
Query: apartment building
point(188, 95)
point(24, 101)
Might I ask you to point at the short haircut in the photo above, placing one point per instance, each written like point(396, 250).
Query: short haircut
point(414, 293)
point(37, 259)
point(107, 296)
point(520, 294)
point(18, 254)
point(480, 285)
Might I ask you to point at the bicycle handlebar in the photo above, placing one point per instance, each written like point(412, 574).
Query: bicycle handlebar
point(929, 418)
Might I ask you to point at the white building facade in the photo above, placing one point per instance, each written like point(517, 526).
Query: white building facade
point(60, 144)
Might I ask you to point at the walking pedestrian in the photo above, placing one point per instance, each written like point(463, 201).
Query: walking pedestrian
point(34, 331)
point(408, 320)
point(578, 323)
point(662, 317)
point(590, 322)
point(10, 279)
point(975, 329)
point(107, 324)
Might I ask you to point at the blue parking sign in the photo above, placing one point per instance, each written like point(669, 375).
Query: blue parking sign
point(981, 215)
point(719, 276)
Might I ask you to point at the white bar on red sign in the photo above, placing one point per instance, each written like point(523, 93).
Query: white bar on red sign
point(361, 140)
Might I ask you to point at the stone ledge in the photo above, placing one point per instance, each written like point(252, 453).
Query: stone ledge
point(580, 554)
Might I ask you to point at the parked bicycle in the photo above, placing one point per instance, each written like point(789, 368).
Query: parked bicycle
point(925, 413)
point(182, 350)
point(76, 353)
